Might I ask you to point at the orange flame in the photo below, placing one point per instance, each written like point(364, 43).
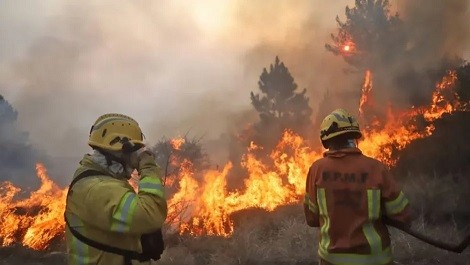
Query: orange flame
point(366, 93)
point(34, 221)
point(176, 143)
point(441, 104)
point(263, 188)
point(399, 129)
point(203, 204)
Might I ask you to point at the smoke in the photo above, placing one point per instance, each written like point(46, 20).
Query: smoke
point(437, 29)
point(178, 66)
point(297, 33)
point(407, 54)
point(438, 39)
point(146, 59)
point(175, 66)
point(17, 159)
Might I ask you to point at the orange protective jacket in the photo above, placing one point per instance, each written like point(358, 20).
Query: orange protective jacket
point(347, 194)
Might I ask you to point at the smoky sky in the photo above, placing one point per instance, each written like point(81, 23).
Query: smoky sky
point(437, 28)
point(175, 66)
point(437, 33)
point(17, 156)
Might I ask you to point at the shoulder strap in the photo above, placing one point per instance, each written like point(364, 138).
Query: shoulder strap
point(84, 174)
point(127, 254)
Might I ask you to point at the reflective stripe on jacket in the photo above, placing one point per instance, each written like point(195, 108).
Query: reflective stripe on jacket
point(346, 195)
point(107, 210)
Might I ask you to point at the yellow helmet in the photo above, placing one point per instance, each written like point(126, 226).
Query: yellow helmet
point(111, 131)
point(339, 122)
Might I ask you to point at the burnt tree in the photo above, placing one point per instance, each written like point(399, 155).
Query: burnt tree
point(170, 157)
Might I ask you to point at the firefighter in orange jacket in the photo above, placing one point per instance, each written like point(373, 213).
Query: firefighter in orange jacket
point(348, 194)
point(107, 221)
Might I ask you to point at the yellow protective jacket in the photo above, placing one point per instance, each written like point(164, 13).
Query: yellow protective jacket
point(107, 210)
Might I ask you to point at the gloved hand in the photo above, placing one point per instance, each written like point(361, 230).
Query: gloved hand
point(152, 246)
point(142, 157)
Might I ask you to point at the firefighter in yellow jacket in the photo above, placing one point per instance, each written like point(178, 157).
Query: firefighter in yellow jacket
point(107, 221)
point(348, 195)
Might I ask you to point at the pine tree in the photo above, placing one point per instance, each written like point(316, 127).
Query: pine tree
point(370, 36)
point(280, 105)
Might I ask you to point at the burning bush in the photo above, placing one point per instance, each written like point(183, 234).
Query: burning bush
point(34, 221)
point(204, 206)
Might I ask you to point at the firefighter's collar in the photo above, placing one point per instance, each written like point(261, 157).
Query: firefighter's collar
point(342, 152)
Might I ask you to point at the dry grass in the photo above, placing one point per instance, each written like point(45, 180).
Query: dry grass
point(285, 239)
point(443, 212)
point(282, 237)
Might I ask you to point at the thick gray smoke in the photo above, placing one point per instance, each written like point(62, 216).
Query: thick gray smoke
point(438, 37)
point(175, 66)
point(17, 157)
point(436, 29)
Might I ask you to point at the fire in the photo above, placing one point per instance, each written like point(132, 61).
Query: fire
point(176, 143)
point(183, 199)
point(400, 128)
point(202, 203)
point(348, 48)
point(206, 206)
point(440, 104)
point(365, 93)
point(34, 221)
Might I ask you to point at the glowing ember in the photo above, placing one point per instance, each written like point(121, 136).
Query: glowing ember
point(347, 48)
point(34, 221)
